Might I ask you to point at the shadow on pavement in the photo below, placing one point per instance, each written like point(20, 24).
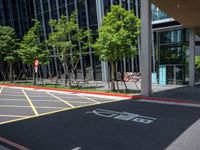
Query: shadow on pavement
point(186, 93)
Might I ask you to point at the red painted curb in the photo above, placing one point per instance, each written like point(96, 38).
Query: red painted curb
point(13, 144)
point(74, 91)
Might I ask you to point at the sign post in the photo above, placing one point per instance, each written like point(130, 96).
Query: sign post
point(36, 64)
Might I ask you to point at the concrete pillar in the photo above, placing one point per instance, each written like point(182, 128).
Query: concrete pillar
point(146, 37)
point(191, 57)
point(100, 14)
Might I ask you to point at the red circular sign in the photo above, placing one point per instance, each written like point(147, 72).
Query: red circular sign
point(36, 63)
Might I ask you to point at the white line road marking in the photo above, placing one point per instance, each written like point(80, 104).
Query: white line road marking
point(1, 90)
point(97, 102)
point(5, 94)
point(38, 96)
point(15, 106)
point(81, 102)
point(31, 104)
point(15, 116)
point(18, 106)
point(13, 100)
point(61, 100)
point(49, 107)
point(51, 101)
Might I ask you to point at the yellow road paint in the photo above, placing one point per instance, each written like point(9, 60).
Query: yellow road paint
point(61, 99)
point(17, 116)
point(31, 104)
point(52, 112)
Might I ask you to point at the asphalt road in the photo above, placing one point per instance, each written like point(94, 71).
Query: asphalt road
point(123, 125)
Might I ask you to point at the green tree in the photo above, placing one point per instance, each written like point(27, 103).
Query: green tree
point(197, 61)
point(66, 39)
point(117, 37)
point(8, 47)
point(31, 47)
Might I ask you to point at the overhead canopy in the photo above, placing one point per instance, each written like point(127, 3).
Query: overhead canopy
point(187, 12)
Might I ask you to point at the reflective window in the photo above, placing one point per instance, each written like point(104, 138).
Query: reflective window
point(157, 14)
point(81, 13)
point(172, 47)
point(92, 12)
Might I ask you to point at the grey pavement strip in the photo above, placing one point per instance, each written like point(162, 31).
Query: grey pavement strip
point(188, 140)
point(170, 103)
point(16, 111)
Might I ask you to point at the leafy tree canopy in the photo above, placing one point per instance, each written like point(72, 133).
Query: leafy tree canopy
point(66, 39)
point(118, 35)
point(197, 61)
point(66, 35)
point(31, 47)
point(8, 44)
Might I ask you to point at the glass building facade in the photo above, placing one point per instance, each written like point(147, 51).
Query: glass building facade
point(172, 47)
point(88, 17)
point(157, 14)
point(16, 13)
point(169, 45)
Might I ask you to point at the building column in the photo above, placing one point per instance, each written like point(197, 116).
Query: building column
point(191, 57)
point(90, 49)
point(146, 37)
point(100, 14)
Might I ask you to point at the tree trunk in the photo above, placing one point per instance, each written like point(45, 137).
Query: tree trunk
point(68, 76)
point(10, 72)
point(65, 74)
point(112, 76)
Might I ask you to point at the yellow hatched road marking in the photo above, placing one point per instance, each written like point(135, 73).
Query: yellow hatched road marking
point(31, 104)
point(61, 100)
point(52, 112)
